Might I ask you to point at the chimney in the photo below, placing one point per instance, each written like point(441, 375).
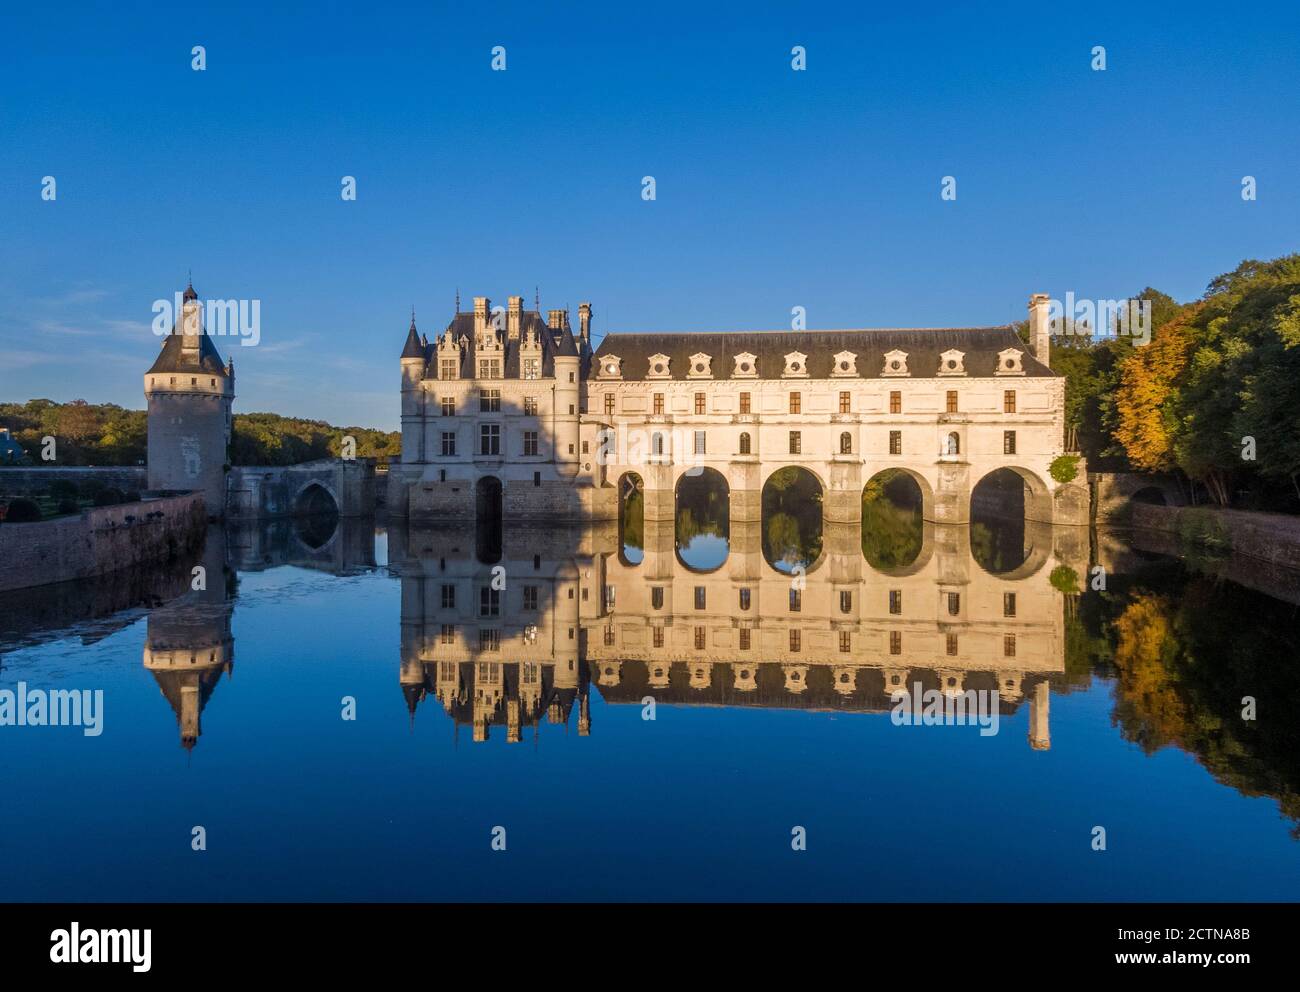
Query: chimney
point(514, 317)
point(556, 319)
point(481, 307)
point(584, 322)
point(1040, 335)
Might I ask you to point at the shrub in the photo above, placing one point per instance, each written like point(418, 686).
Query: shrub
point(22, 511)
point(1064, 579)
point(1064, 468)
point(108, 497)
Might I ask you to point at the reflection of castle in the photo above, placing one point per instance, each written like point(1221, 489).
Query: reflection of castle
point(189, 644)
point(572, 610)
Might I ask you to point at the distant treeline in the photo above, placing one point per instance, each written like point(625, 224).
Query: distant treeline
point(106, 434)
point(1215, 396)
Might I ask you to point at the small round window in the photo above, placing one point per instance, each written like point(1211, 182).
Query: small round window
point(895, 364)
point(699, 366)
point(744, 366)
point(952, 363)
point(659, 367)
point(844, 366)
point(794, 366)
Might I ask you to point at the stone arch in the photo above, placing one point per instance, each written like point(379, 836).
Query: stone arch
point(698, 522)
point(1036, 493)
point(887, 533)
point(631, 519)
point(315, 497)
point(792, 530)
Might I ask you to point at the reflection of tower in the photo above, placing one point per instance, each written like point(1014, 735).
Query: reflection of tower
point(190, 392)
point(189, 644)
point(1040, 735)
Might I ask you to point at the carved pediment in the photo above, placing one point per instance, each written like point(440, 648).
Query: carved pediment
point(845, 364)
point(952, 362)
point(659, 367)
point(746, 366)
point(796, 365)
point(611, 367)
point(1010, 362)
point(701, 367)
point(895, 364)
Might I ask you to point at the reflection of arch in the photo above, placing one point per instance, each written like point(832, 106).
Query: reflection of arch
point(896, 537)
point(793, 518)
point(631, 519)
point(702, 514)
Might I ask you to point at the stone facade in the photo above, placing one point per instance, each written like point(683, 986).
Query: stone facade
point(558, 433)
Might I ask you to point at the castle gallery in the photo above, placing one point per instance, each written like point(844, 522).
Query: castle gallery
point(507, 408)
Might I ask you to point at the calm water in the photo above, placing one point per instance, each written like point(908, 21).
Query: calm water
point(523, 708)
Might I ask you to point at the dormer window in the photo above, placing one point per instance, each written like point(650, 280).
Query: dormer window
point(895, 364)
point(659, 367)
point(845, 364)
point(796, 365)
point(952, 362)
point(746, 366)
point(701, 367)
point(611, 367)
point(1009, 362)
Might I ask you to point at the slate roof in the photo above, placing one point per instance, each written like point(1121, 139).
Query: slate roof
point(172, 357)
point(923, 346)
point(554, 344)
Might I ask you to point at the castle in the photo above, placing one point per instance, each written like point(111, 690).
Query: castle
point(507, 411)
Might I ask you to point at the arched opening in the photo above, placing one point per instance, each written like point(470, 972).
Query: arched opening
point(631, 518)
point(657, 444)
point(315, 500)
point(952, 446)
point(487, 519)
point(893, 521)
point(846, 443)
point(792, 519)
point(316, 516)
point(1150, 495)
point(1004, 504)
point(744, 442)
point(703, 523)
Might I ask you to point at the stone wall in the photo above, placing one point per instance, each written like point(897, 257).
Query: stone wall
point(1112, 493)
point(1270, 537)
point(35, 479)
point(100, 540)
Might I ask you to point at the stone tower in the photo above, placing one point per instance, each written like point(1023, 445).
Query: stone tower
point(190, 392)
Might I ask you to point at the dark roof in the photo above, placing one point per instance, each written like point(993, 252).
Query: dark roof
point(172, 358)
point(555, 343)
point(414, 348)
point(923, 346)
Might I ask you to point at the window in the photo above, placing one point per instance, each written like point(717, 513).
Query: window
point(952, 446)
point(530, 406)
point(609, 637)
point(530, 597)
point(537, 480)
point(796, 641)
point(658, 639)
point(448, 635)
point(489, 401)
point(530, 442)
point(846, 402)
point(447, 368)
point(448, 444)
point(952, 401)
point(895, 442)
point(448, 597)
point(532, 368)
point(699, 403)
point(895, 402)
point(744, 402)
point(1008, 645)
point(659, 403)
point(699, 639)
point(796, 601)
point(796, 443)
point(846, 443)
point(489, 368)
point(744, 599)
point(699, 442)
point(895, 642)
point(1009, 401)
point(1008, 604)
point(657, 444)
point(744, 638)
point(657, 597)
point(796, 403)
point(489, 439)
point(846, 601)
point(896, 601)
point(744, 443)
point(1008, 442)
point(609, 404)
point(489, 602)
point(952, 645)
point(846, 642)
point(699, 597)
point(489, 640)
point(954, 604)
point(449, 406)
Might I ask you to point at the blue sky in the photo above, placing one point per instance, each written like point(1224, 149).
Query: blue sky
point(775, 188)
